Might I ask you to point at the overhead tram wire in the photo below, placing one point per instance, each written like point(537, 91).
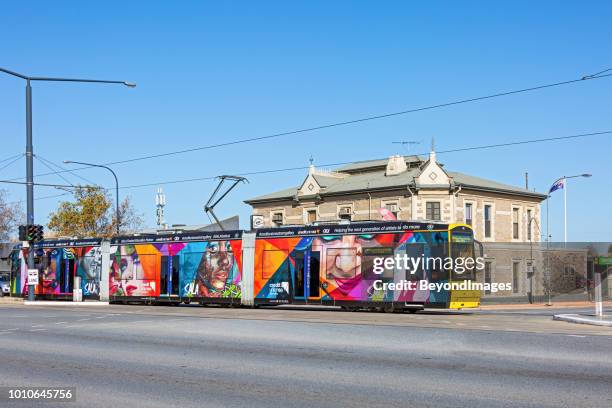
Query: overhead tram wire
point(51, 168)
point(40, 198)
point(65, 169)
point(462, 149)
point(12, 157)
point(597, 75)
point(72, 186)
point(287, 169)
point(15, 158)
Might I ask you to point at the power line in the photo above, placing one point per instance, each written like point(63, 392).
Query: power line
point(348, 122)
point(548, 139)
point(281, 170)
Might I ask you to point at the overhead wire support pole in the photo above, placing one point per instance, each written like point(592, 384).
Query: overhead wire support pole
point(30, 148)
point(208, 207)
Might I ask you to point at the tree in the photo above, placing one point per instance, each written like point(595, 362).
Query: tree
point(91, 214)
point(11, 216)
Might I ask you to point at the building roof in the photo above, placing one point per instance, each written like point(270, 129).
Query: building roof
point(370, 164)
point(370, 176)
point(231, 223)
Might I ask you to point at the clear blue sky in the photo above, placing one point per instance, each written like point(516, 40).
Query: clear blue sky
point(209, 72)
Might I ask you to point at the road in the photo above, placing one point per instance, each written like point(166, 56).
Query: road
point(136, 356)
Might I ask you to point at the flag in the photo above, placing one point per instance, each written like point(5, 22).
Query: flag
point(557, 185)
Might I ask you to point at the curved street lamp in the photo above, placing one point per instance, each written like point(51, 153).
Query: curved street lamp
point(117, 216)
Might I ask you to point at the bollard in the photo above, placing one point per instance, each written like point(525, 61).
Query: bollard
point(598, 299)
point(77, 292)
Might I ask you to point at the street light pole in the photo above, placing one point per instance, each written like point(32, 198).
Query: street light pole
point(117, 213)
point(30, 146)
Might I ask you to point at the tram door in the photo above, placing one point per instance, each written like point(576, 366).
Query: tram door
point(66, 275)
point(299, 278)
point(306, 278)
point(169, 276)
point(314, 274)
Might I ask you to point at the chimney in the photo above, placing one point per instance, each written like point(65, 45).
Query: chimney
point(396, 165)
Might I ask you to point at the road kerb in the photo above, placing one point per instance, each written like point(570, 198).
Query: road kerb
point(581, 319)
point(67, 303)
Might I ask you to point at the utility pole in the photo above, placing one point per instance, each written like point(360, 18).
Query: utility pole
point(30, 147)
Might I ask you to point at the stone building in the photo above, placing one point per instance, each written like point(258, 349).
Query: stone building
point(412, 188)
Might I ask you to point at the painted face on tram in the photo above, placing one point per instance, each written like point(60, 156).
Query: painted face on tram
point(343, 255)
point(218, 263)
point(92, 263)
point(127, 269)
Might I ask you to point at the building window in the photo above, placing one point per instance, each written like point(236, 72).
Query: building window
point(487, 221)
point(433, 210)
point(529, 221)
point(468, 214)
point(487, 276)
point(311, 216)
point(515, 223)
point(393, 208)
point(515, 276)
point(277, 218)
point(345, 213)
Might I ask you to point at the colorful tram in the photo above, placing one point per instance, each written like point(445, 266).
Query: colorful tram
point(325, 265)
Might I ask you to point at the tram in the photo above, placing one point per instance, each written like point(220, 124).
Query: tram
point(387, 266)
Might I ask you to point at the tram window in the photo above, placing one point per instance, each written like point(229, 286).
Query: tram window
point(163, 275)
point(342, 263)
point(315, 270)
point(299, 275)
point(463, 249)
point(414, 251)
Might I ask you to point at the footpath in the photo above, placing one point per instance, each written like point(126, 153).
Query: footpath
point(580, 318)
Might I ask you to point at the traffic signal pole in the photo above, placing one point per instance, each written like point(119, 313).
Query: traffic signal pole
point(29, 179)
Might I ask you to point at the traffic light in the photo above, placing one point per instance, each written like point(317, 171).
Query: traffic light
point(23, 233)
point(39, 234)
point(31, 233)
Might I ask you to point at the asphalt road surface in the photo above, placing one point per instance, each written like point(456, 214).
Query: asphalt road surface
point(135, 356)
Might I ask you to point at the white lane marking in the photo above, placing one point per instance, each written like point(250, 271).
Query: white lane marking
point(575, 335)
point(38, 325)
point(100, 317)
point(82, 320)
point(16, 328)
point(35, 330)
point(60, 322)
